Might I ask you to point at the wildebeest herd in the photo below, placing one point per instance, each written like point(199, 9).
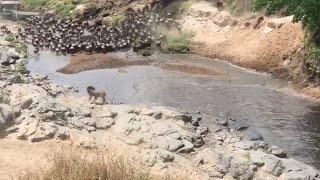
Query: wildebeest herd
point(137, 30)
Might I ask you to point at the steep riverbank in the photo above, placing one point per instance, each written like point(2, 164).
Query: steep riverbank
point(275, 45)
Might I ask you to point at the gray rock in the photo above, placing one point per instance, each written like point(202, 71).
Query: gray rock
point(221, 120)
point(6, 114)
point(294, 169)
point(245, 145)
point(160, 166)
point(174, 135)
point(88, 121)
point(223, 165)
point(248, 175)
point(260, 144)
point(12, 129)
point(157, 115)
point(104, 123)
point(234, 172)
point(90, 128)
point(45, 132)
point(187, 148)
point(174, 144)
point(254, 136)
point(82, 111)
point(241, 126)
point(166, 156)
point(182, 116)
point(216, 174)
point(63, 133)
point(75, 121)
point(26, 103)
point(195, 122)
point(197, 140)
point(202, 130)
point(272, 165)
point(151, 159)
point(162, 142)
point(257, 157)
point(278, 152)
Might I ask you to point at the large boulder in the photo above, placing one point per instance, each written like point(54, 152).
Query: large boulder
point(6, 114)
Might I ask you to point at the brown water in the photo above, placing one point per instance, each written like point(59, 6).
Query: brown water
point(282, 118)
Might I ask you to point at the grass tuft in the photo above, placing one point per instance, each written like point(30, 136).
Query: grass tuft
point(10, 38)
point(175, 41)
point(82, 165)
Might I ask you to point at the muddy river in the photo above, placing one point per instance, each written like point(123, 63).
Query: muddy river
point(281, 117)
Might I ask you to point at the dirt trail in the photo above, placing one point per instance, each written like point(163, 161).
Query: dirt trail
point(17, 156)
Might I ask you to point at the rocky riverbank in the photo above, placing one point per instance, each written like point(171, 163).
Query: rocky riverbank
point(35, 111)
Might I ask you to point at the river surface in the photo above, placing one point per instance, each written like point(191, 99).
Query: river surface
point(281, 117)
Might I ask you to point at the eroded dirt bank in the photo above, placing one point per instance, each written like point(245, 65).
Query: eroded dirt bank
point(276, 45)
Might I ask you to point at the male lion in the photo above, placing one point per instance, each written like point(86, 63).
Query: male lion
point(93, 93)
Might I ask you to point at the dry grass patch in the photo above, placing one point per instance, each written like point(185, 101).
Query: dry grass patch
point(85, 62)
point(90, 165)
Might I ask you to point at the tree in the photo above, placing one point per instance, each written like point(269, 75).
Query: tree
point(306, 11)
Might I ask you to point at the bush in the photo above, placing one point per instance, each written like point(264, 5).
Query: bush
point(175, 41)
point(21, 48)
point(179, 44)
point(21, 68)
point(10, 38)
point(35, 4)
point(65, 9)
point(118, 19)
point(306, 11)
point(148, 51)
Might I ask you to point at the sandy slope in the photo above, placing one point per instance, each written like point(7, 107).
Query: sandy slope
point(275, 46)
point(220, 35)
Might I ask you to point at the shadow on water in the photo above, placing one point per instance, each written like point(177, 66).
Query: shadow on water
point(285, 120)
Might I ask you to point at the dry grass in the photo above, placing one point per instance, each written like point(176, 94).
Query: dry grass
point(85, 62)
point(89, 165)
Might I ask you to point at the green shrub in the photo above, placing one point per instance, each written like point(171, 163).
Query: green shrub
point(306, 11)
point(21, 68)
point(10, 38)
point(146, 51)
point(179, 44)
point(174, 40)
point(65, 9)
point(21, 48)
point(118, 19)
point(35, 4)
